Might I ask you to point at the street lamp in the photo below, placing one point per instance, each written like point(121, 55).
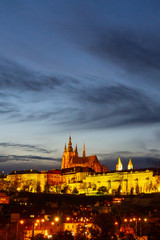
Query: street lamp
point(17, 232)
point(56, 219)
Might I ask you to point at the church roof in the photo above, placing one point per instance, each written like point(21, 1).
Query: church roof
point(80, 160)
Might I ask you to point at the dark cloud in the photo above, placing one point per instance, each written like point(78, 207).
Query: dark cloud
point(26, 147)
point(150, 158)
point(21, 162)
point(73, 102)
point(118, 105)
point(16, 77)
point(134, 51)
point(25, 158)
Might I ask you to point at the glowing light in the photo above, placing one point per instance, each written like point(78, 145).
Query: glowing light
point(52, 223)
point(21, 221)
point(56, 219)
point(134, 219)
point(68, 218)
point(131, 220)
point(145, 219)
point(139, 219)
point(37, 220)
point(125, 220)
point(36, 224)
point(116, 223)
point(46, 233)
point(42, 220)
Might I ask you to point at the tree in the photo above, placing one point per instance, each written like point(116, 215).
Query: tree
point(46, 187)
point(81, 232)
point(38, 237)
point(75, 191)
point(119, 190)
point(105, 222)
point(95, 232)
point(67, 235)
point(38, 187)
point(102, 190)
point(65, 189)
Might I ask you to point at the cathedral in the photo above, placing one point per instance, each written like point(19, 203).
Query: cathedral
point(71, 159)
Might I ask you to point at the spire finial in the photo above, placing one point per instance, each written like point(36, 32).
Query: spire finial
point(84, 151)
point(70, 149)
point(119, 165)
point(65, 149)
point(130, 164)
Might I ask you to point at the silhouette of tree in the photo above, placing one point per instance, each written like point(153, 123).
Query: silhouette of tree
point(67, 235)
point(75, 191)
point(46, 188)
point(105, 222)
point(102, 190)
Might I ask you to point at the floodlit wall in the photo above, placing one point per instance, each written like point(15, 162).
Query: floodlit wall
point(129, 182)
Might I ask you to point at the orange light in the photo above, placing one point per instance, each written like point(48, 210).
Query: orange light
point(116, 223)
point(68, 218)
point(21, 222)
point(125, 220)
point(130, 220)
point(37, 220)
point(145, 219)
point(56, 219)
point(52, 223)
point(134, 219)
point(36, 224)
point(139, 219)
point(42, 220)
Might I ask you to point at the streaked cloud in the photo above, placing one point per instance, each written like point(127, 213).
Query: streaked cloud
point(26, 147)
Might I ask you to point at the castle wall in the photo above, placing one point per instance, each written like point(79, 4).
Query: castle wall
point(140, 181)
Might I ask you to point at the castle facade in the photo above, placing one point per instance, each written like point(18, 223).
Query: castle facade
point(84, 175)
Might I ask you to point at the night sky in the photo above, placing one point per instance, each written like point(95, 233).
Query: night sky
point(91, 68)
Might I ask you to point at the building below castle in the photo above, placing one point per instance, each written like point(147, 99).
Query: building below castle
point(84, 175)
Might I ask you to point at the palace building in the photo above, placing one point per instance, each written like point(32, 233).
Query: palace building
point(84, 175)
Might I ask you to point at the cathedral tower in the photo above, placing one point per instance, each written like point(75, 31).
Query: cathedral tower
point(119, 166)
point(84, 151)
point(130, 164)
point(68, 154)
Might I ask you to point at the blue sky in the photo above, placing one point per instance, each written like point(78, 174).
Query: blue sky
point(91, 68)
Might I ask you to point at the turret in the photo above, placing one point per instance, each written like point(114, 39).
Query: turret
point(65, 149)
point(70, 149)
point(84, 151)
point(119, 166)
point(76, 151)
point(130, 164)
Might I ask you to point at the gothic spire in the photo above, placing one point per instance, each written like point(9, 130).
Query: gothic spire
point(70, 149)
point(119, 165)
point(75, 150)
point(84, 151)
point(65, 149)
point(130, 164)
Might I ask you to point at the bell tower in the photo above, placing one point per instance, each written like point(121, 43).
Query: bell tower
point(68, 154)
point(119, 166)
point(130, 164)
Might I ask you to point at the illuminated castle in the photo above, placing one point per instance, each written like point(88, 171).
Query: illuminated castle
point(86, 175)
point(71, 159)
